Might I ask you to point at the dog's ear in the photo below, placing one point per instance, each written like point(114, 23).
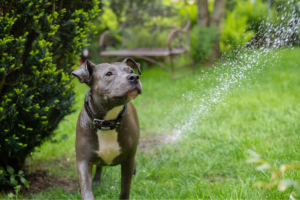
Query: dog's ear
point(84, 72)
point(131, 63)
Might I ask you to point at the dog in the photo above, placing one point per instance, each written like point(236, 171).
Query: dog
point(107, 130)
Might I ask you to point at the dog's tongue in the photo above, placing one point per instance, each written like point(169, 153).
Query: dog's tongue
point(132, 94)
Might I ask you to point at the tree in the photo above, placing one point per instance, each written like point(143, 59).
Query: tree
point(40, 41)
point(204, 19)
point(203, 14)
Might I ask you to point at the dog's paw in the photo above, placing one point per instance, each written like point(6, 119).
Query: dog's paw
point(95, 181)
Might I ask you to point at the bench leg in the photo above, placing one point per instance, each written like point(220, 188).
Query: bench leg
point(191, 62)
point(172, 66)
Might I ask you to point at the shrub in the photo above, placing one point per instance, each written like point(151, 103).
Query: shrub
point(40, 41)
point(202, 40)
point(234, 34)
point(256, 13)
point(242, 24)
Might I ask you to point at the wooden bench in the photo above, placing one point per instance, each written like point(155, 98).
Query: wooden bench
point(151, 32)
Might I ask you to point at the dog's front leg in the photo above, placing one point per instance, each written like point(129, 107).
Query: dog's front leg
point(127, 169)
point(84, 172)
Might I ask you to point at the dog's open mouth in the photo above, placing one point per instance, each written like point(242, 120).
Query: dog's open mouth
point(133, 92)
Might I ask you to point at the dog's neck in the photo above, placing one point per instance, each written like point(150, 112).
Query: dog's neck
point(103, 109)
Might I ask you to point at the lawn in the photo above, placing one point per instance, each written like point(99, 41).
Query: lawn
point(205, 124)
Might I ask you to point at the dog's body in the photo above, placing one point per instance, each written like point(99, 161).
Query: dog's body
point(112, 86)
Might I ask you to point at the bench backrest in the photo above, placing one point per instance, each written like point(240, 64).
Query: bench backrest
point(149, 26)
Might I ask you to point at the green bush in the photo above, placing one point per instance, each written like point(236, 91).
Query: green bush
point(234, 34)
point(256, 13)
point(242, 24)
point(202, 40)
point(40, 42)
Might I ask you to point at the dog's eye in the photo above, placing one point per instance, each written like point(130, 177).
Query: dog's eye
point(131, 71)
point(108, 74)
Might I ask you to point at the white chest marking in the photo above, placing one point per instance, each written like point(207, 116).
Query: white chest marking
point(109, 147)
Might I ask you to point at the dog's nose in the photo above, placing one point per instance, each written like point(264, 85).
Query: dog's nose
point(133, 78)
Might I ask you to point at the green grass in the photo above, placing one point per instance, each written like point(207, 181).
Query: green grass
point(260, 112)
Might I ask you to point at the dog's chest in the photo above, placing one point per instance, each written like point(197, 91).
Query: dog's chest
point(109, 147)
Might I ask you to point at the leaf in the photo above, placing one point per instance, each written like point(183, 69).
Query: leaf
point(263, 167)
point(13, 180)
point(25, 182)
point(285, 184)
point(253, 153)
point(20, 173)
point(295, 196)
point(254, 160)
point(3, 170)
point(10, 195)
point(10, 169)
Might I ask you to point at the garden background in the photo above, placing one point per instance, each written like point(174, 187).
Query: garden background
point(230, 131)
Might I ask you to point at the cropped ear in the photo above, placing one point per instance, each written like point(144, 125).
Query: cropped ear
point(131, 63)
point(84, 72)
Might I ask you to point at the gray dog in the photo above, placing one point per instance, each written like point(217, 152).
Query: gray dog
point(107, 131)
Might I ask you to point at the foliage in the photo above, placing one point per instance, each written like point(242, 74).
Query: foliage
point(233, 34)
point(187, 8)
point(9, 177)
point(268, 27)
point(256, 13)
point(40, 41)
point(242, 24)
point(14, 196)
point(139, 37)
point(202, 40)
point(282, 184)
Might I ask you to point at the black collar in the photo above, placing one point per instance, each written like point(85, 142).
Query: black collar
point(103, 125)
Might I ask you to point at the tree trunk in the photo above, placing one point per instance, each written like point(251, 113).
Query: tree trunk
point(216, 20)
point(203, 14)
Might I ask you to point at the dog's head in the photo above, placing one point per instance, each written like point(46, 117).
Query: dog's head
point(115, 82)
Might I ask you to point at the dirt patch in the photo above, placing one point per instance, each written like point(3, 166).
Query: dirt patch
point(152, 141)
point(215, 179)
point(41, 180)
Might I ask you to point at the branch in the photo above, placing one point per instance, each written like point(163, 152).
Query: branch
point(10, 6)
point(59, 11)
point(2, 83)
point(12, 84)
point(53, 7)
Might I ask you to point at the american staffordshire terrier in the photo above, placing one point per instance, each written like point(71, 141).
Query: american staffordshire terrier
point(107, 131)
